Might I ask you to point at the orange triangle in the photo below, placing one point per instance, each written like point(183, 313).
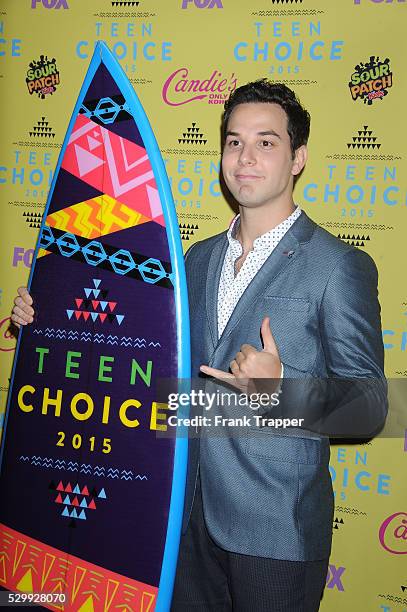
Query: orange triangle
point(18, 553)
point(112, 306)
point(75, 501)
point(68, 488)
point(86, 315)
point(78, 302)
point(3, 575)
point(95, 304)
point(78, 314)
point(102, 316)
point(111, 589)
point(92, 505)
point(46, 568)
point(147, 601)
point(77, 581)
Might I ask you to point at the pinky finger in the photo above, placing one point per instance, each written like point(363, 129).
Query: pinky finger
point(18, 320)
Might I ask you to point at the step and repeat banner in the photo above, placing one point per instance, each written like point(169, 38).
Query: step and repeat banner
point(346, 61)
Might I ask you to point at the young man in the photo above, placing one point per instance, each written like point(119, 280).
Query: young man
point(274, 297)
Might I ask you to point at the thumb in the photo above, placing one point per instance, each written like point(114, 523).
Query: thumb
point(269, 344)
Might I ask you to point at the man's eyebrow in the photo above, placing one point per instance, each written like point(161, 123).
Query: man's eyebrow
point(263, 133)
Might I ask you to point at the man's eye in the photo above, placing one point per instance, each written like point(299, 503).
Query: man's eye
point(267, 143)
point(234, 143)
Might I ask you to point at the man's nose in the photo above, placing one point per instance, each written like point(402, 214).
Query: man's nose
point(247, 156)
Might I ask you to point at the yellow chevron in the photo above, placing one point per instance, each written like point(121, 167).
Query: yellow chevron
point(96, 217)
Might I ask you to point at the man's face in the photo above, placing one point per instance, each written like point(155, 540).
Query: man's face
point(257, 162)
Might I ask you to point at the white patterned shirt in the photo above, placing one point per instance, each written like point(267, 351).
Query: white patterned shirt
point(231, 287)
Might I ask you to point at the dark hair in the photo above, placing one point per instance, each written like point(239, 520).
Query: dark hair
point(263, 90)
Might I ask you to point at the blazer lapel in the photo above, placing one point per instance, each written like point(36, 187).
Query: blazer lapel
point(212, 286)
point(288, 249)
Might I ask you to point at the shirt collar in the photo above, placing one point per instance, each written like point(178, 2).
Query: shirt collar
point(265, 241)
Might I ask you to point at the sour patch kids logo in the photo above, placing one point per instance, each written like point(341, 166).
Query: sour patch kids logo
point(371, 80)
point(42, 76)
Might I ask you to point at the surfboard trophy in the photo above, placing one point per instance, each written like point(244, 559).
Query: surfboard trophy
point(91, 495)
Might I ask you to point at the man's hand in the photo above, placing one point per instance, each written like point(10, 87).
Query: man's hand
point(250, 363)
point(23, 312)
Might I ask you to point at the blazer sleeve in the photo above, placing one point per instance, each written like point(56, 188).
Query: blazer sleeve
point(355, 391)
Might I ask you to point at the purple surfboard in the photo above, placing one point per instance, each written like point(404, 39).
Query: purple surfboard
point(91, 491)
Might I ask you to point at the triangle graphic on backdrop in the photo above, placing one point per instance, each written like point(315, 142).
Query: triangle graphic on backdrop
point(192, 136)
point(364, 139)
point(94, 310)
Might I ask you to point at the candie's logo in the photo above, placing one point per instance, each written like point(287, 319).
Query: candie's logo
point(371, 80)
point(180, 89)
point(393, 533)
point(377, 1)
point(7, 338)
point(202, 4)
point(42, 76)
point(50, 4)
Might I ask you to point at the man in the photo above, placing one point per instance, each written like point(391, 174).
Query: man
point(274, 297)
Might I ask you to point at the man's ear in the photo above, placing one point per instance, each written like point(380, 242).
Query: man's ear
point(300, 159)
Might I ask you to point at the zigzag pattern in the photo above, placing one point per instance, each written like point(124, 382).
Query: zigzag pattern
point(67, 334)
point(96, 217)
point(85, 468)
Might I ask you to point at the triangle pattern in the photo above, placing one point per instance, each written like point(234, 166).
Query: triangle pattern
point(93, 143)
point(94, 310)
point(86, 161)
point(364, 140)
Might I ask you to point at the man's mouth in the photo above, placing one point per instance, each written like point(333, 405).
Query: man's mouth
point(247, 177)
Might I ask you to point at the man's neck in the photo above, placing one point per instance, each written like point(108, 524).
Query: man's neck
point(255, 222)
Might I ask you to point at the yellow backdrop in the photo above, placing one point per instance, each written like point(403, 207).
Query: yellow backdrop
point(346, 60)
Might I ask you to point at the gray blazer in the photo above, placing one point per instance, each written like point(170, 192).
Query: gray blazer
point(266, 493)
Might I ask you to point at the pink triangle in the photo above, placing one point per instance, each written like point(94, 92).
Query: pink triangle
point(85, 315)
point(102, 316)
point(78, 302)
point(86, 161)
point(93, 144)
point(95, 304)
point(154, 201)
point(112, 306)
point(78, 314)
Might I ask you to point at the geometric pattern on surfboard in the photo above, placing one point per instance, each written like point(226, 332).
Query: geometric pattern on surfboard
point(74, 499)
point(86, 468)
point(107, 306)
point(97, 254)
point(27, 564)
point(100, 157)
point(96, 217)
point(97, 338)
point(106, 110)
